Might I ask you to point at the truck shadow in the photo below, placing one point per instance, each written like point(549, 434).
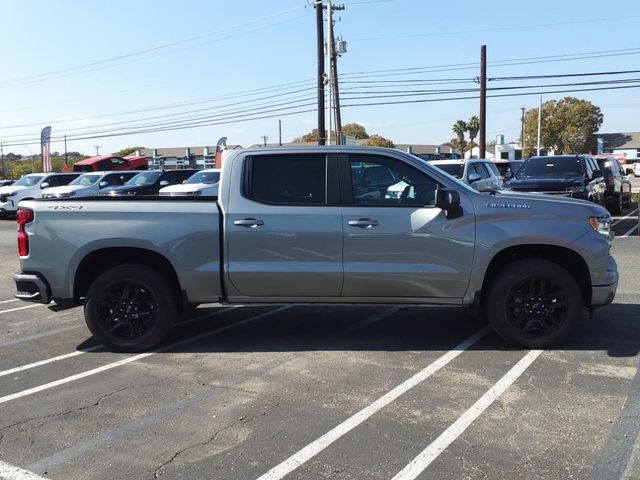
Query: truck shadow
point(615, 329)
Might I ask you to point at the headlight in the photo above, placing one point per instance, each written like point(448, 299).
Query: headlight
point(11, 194)
point(195, 193)
point(601, 224)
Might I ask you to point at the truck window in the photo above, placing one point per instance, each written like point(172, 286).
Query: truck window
point(287, 179)
point(386, 182)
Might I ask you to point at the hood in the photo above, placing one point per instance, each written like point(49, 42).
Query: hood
point(543, 183)
point(189, 187)
point(532, 200)
point(64, 189)
point(11, 188)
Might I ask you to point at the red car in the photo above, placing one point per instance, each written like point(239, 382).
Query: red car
point(107, 163)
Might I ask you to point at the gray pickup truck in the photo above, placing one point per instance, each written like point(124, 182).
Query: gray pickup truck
point(320, 225)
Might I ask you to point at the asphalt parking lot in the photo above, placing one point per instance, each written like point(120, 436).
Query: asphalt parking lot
point(321, 392)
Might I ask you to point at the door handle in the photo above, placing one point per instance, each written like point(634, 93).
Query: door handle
point(363, 223)
point(249, 222)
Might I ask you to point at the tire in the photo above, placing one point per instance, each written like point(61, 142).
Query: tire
point(534, 303)
point(627, 204)
point(130, 308)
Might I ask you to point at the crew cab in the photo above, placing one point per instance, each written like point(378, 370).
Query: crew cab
point(110, 162)
point(299, 225)
point(29, 187)
point(617, 184)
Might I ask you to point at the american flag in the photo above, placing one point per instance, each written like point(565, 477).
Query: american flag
point(45, 141)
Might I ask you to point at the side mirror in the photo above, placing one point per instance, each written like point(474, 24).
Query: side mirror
point(474, 177)
point(449, 200)
point(44, 185)
point(164, 183)
point(103, 184)
point(629, 171)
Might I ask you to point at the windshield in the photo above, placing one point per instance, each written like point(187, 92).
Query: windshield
point(28, 181)
point(204, 177)
point(551, 167)
point(144, 178)
point(456, 170)
point(86, 180)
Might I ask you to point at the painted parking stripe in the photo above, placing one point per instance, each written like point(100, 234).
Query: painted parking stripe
point(630, 231)
point(140, 356)
point(620, 219)
point(318, 445)
point(9, 301)
point(9, 472)
point(77, 352)
point(429, 454)
point(22, 308)
point(36, 336)
point(89, 444)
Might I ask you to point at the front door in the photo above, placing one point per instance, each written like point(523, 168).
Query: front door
point(284, 231)
point(396, 242)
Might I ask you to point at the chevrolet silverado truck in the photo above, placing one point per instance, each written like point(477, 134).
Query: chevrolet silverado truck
point(306, 225)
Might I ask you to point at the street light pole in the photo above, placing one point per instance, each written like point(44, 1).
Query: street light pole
point(329, 70)
point(539, 124)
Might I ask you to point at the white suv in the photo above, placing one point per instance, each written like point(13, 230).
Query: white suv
point(636, 169)
point(29, 187)
point(481, 174)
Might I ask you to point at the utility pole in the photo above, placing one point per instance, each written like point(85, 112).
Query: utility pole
point(2, 159)
point(539, 123)
point(97, 147)
point(336, 91)
point(329, 50)
point(483, 102)
point(66, 163)
point(320, 70)
point(280, 132)
point(264, 140)
point(522, 132)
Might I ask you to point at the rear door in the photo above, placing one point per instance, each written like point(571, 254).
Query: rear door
point(401, 245)
point(283, 228)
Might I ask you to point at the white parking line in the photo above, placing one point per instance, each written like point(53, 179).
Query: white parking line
point(140, 356)
point(91, 349)
point(315, 447)
point(9, 472)
point(9, 301)
point(629, 232)
point(22, 308)
point(625, 217)
point(429, 454)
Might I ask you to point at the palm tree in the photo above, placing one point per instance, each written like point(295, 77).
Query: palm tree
point(473, 126)
point(459, 128)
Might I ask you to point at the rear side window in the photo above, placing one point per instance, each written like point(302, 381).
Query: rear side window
point(492, 168)
point(287, 179)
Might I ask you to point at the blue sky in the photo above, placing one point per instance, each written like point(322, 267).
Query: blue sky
point(230, 48)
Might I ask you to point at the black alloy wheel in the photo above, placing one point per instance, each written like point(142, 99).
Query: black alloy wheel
point(130, 307)
point(536, 307)
point(533, 303)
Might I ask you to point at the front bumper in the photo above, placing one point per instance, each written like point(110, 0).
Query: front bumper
point(604, 294)
point(32, 287)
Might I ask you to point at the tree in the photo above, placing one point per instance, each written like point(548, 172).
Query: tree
point(355, 130)
point(459, 128)
point(566, 126)
point(312, 136)
point(473, 126)
point(126, 151)
point(378, 141)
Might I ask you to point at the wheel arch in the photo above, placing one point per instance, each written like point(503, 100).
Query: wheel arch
point(569, 259)
point(98, 261)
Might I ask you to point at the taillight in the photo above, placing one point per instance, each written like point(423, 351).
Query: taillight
point(24, 216)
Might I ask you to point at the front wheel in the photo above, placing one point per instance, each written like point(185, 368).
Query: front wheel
point(534, 303)
point(130, 308)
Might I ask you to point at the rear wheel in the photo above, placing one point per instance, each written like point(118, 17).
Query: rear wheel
point(534, 303)
point(130, 308)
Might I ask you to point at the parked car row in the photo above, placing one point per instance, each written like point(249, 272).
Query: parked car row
point(183, 182)
point(600, 180)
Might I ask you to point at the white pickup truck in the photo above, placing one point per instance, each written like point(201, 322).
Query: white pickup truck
point(309, 225)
